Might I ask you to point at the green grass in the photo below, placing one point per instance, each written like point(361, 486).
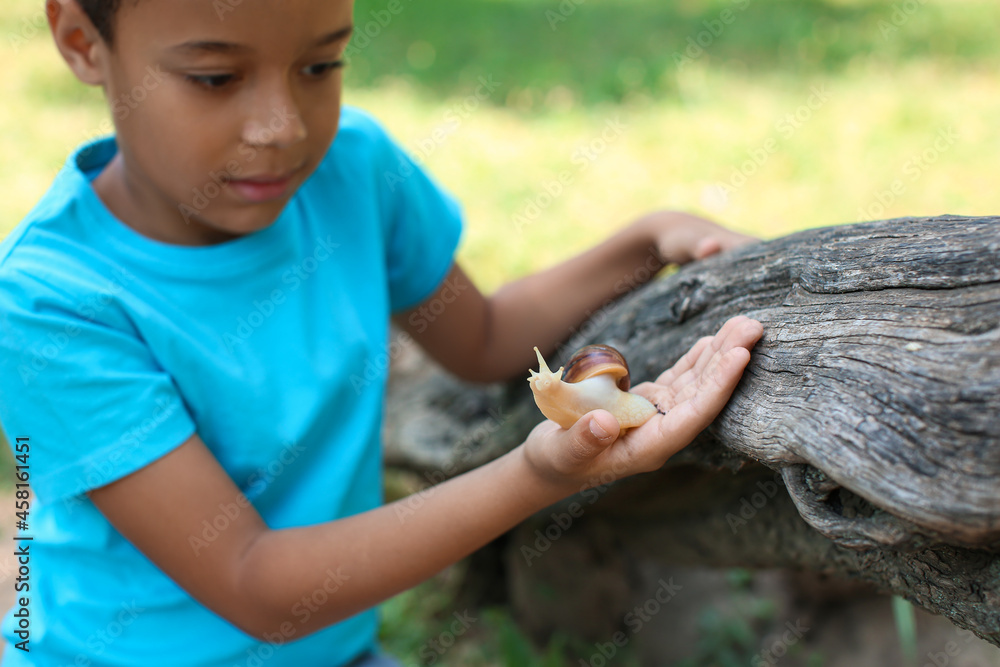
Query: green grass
point(687, 129)
point(425, 626)
point(605, 51)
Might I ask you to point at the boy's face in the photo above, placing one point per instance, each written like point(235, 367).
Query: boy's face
point(222, 110)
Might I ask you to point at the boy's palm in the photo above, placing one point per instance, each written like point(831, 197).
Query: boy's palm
point(689, 396)
point(693, 392)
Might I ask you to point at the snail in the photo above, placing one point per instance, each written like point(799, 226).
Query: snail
point(595, 377)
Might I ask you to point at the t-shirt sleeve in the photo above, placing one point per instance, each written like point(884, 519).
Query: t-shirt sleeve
point(423, 225)
point(79, 382)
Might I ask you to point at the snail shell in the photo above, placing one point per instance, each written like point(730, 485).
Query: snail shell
point(594, 360)
point(596, 377)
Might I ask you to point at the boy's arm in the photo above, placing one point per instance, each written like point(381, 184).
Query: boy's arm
point(289, 583)
point(284, 584)
point(491, 339)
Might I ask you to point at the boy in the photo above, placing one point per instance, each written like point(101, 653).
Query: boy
point(182, 313)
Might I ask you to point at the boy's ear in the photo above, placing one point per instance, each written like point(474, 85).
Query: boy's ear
point(79, 42)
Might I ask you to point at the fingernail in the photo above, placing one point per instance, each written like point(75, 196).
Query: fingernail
point(598, 430)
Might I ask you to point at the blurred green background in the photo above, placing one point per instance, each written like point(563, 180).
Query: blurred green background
point(768, 115)
point(892, 76)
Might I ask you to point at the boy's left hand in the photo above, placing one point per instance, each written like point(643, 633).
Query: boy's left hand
point(683, 237)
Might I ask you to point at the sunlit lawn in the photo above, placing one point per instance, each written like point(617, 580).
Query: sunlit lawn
point(794, 115)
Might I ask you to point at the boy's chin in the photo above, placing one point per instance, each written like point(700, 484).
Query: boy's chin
point(216, 229)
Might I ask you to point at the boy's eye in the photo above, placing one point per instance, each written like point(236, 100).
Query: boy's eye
point(210, 81)
point(319, 69)
point(218, 81)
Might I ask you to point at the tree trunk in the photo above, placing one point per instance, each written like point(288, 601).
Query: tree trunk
point(863, 439)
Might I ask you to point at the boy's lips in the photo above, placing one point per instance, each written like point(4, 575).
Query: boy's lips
point(264, 187)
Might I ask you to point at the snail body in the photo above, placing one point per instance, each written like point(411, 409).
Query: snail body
point(596, 377)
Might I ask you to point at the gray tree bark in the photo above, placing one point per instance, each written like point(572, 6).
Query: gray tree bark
point(863, 439)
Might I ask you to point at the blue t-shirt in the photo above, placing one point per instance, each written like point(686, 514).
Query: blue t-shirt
point(273, 347)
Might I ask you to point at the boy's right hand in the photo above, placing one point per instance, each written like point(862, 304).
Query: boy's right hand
point(689, 396)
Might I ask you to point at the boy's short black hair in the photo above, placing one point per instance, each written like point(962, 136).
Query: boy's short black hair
point(102, 15)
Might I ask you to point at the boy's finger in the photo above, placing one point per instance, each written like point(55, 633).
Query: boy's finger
point(720, 380)
point(726, 375)
point(690, 417)
point(684, 377)
point(718, 341)
point(742, 337)
point(739, 331)
point(591, 435)
point(698, 356)
point(706, 247)
point(735, 240)
point(685, 363)
point(745, 335)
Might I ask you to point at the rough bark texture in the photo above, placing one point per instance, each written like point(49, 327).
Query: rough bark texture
point(864, 438)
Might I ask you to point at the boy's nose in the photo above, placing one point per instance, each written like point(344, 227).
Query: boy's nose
point(277, 122)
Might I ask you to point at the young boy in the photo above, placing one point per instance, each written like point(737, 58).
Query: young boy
point(180, 317)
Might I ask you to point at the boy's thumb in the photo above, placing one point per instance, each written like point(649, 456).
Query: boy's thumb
point(593, 433)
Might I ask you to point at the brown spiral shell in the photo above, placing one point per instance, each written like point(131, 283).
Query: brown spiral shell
point(597, 359)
